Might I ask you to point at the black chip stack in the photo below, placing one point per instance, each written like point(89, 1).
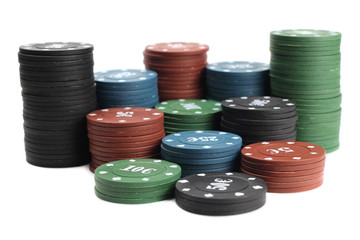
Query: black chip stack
point(258, 119)
point(58, 91)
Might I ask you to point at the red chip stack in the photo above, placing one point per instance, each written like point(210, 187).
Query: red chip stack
point(285, 166)
point(180, 67)
point(123, 133)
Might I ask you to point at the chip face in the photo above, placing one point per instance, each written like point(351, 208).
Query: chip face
point(199, 107)
point(206, 141)
point(57, 48)
point(307, 33)
point(239, 67)
point(125, 75)
point(222, 188)
point(138, 172)
point(185, 48)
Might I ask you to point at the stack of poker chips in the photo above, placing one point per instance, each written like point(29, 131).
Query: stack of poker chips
point(58, 90)
point(180, 67)
point(122, 133)
point(236, 79)
point(305, 67)
point(126, 88)
point(190, 114)
point(202, 151)
point(135, 181)
point(258, 119)
point(286, 167)
point(222, 193)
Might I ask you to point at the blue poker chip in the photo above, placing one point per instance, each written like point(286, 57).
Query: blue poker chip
point(180, 159)
point(201, 156)
point(120, 87)
point(206, 141)
point(238, 67)
point(125, 76)
point(125, 93)
point(209, 166)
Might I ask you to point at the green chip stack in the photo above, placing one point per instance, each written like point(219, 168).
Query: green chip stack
point(305, 67)
point(190, 115)
point(135, 181)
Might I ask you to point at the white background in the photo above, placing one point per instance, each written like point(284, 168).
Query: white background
point(40, 203)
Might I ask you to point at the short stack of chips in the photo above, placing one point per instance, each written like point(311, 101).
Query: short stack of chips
point(221, 193)
point(180, 67)
point(236, 79)
point(190, 114)
point(122, 133)
point(135, 181)
point(202, 151)
point(58, 91)
point(258, 119)
point(305, 67)
point(286, 167)
point(126, 88)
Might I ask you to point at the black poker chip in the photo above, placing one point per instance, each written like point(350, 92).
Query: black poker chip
point(220, 193)
point(261, 118)
point(58, 91)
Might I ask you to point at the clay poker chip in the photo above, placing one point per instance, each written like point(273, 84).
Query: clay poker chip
point(305, 67)
point(122, 133)
point(180, 67)
point(236, 79)
point(260, 118)
point(58, 91)
point(126, 88)
point(190, 114)
point(220, 193)
point(286, 166)
point(135, 181)
point(202, 151)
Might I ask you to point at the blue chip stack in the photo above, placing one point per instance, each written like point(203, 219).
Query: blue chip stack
point(202, 151)
point(126, 88)
point(236, 79)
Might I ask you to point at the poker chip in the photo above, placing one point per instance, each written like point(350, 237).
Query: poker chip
point(305, 67)
point(135, 181)
point(286, 166)
point(122, 133)
point(58, 91)
point(180, 67)
point(220, 193)
point(202, 151)
point(126, 88)
point(190, 114)
point(258, 119)
point(236, 79)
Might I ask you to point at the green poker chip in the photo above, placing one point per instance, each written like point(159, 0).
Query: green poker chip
point(135, 195)
point(305, 35)
point(131, 200)
point(138, 173)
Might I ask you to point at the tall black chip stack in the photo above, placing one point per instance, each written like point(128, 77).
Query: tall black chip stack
point(58, 91)
point(305, 67)
point(258, 119)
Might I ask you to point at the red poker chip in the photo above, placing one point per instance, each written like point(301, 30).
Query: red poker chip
point(280, 167)
point(160, 56)
point(126, 139)
point(173, 70)
point(282, 174)
point(296, 189)
point(286, 179)
point(295, 184)
point(125, 133)
point(177, 48)
point(114, 158)
point(120, 128)
point(131, 145)
point(125, 116)
point(125, 150)
point(125, 154)
point(284, 152)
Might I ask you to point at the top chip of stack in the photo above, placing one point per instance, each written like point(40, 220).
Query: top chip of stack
point(258, 119)
point(305, 67)
point(126, 88)
point(236, 79)
point(58, 91)
point(180, 67)
point(190, 114)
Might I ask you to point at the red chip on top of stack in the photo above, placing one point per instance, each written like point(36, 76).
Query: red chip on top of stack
point(286, 166)
point(180, 67)
point(123, 133)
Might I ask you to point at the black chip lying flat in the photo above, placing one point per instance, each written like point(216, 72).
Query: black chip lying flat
point(220, 193)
